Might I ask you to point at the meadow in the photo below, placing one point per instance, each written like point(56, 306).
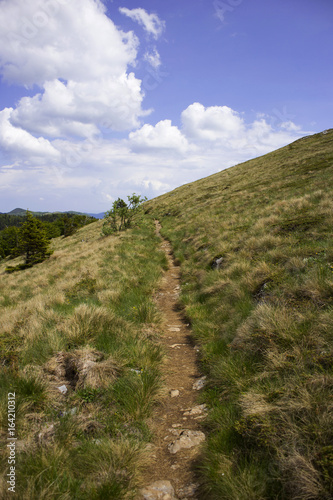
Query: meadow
point(255, 247)
point(79, 348)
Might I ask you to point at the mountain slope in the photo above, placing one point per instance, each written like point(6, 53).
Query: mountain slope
point(254, 245)
point(80, 366)
point(256, 252)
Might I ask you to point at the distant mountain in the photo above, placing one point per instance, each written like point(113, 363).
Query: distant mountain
point(18, 211)
point(22, 211)
point(97, 216)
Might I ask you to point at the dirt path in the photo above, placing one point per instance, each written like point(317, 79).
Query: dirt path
point(177, 420)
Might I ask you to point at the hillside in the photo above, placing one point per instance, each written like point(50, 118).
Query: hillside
point(93, 339)
point(80, 366)
point(254, 243)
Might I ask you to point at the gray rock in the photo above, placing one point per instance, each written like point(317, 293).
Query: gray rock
point(63, 389)
point(187, 491)
point(196, 410)
point(159, 490)
point(199, 384)
point(174, 393)
point(217, 263)
point(186, 440)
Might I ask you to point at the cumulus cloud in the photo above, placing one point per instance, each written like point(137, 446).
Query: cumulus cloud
point(150, 22)
point(79, 108)
point(74, 41)
point(17, 141)
point(215, 123)
point(162, 136)
point(226, 130)
point(79, 59)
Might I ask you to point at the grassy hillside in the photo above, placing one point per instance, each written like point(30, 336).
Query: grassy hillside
point(255, 247)
point(79, 348)
point(79, 339)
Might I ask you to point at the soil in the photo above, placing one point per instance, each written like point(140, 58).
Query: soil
point(180, 373)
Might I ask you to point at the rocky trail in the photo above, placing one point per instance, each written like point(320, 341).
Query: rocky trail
point(177, 421)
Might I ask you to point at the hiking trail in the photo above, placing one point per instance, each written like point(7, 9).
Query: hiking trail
point(176, 421)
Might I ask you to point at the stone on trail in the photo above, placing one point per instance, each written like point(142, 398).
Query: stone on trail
point(159, 490)
point(200, 383)
point(186, 440)
point(196, 410)
point(174, 393)
point(187, 491)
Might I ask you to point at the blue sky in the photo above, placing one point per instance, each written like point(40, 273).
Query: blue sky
point(103, 99)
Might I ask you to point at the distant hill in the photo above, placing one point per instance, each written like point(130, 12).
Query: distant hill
point(22, 211)
point(18, 211)
point(97, 216)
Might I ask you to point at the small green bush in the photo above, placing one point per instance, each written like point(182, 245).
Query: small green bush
point(121, 215)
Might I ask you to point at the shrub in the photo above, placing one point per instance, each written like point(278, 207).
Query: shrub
point(121, 214)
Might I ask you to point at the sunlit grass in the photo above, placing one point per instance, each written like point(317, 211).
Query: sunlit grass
point(263, 318)
point(74, 322)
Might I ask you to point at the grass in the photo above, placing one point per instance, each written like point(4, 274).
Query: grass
point(263, 317)
point(84, 319)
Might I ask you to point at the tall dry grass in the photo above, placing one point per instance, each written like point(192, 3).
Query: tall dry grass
point(74, 321)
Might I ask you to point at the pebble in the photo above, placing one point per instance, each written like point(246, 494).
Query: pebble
point(174, 393)
point(63, 389)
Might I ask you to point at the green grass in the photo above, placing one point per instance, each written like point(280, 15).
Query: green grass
point(84, 319)
point(263, 318)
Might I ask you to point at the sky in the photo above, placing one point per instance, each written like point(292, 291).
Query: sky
point(100, 99)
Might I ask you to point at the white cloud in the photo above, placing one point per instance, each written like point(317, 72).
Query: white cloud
point(19, 142)
point(215, 123)
point(162, 137)
point(153, 58)
point(75, 41)
point(150, 22)
point(79, 59)
point(79, 108)
point(224, 129)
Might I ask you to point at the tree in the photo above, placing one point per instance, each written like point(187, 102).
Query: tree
point(121, 215)
point(9, 241)
point(33, 241)
point(70, 225)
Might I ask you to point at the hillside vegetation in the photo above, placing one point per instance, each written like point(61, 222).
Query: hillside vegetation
point(255, 247)
point(79, 348)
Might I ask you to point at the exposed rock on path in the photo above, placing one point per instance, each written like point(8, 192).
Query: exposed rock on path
point(176, 422)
